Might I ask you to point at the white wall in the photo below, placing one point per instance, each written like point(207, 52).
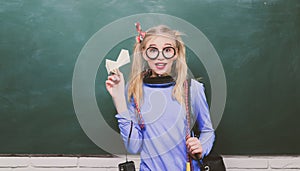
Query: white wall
point(233, 163)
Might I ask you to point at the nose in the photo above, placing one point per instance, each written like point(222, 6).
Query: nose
point(160, 56)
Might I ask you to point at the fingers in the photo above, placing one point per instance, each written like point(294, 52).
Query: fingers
point(115, 75)
point(110, 83)
point(116, 72)
point(194, 146)
point(115, 78)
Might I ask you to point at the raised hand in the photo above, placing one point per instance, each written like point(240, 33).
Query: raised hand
point(116, 87)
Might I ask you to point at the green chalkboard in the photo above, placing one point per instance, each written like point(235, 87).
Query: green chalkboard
point(258, 43)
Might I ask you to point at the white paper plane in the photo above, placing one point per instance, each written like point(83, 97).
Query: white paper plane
point(123, 59)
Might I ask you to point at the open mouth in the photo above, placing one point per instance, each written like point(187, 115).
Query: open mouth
point(160, 65)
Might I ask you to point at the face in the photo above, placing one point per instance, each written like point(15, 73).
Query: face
point(160, 53)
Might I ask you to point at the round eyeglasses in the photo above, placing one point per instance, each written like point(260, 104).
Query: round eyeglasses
point(167, 52)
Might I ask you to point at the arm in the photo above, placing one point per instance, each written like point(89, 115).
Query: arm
point(129, 127)
point(126, 115)
point(201, 111)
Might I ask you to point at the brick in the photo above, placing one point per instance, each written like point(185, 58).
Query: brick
point(23, 169)
point(14, 162)
point(99, 162)
point(285, 163)
point(112, 169)
point(251, 170)
point(5, 169)
point(245, 163)
point(106, 162)
point(54, 161)
point(61, 169)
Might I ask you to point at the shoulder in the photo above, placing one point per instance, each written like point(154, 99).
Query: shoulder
point(198, 96)
point(196, 85)
point(197, 90)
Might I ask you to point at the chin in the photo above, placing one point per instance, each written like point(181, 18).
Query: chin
point(160, 72)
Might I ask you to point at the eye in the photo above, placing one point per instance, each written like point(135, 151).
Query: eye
point(168, 49)
point(152, 50)
point(169, 52)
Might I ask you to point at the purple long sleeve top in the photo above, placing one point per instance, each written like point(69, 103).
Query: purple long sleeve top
point(162, 143)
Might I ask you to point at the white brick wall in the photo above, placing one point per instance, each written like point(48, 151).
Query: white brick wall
point(262, 163)
point(233, 163)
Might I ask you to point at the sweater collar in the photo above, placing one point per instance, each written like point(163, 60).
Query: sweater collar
point(159, 81)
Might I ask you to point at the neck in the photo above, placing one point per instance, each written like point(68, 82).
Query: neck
point(154, 78)
point(158, 75)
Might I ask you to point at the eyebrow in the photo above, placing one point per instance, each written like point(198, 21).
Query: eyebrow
point(166, 44)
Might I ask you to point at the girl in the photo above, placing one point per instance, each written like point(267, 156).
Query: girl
point(151, 113)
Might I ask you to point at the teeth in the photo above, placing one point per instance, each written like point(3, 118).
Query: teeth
point(160, 64)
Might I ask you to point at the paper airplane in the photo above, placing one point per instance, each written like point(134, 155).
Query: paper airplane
point(123, 59)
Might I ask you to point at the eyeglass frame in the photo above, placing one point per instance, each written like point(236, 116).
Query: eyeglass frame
point(161, 51)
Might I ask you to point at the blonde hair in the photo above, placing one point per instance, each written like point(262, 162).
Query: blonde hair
point(179, 71)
